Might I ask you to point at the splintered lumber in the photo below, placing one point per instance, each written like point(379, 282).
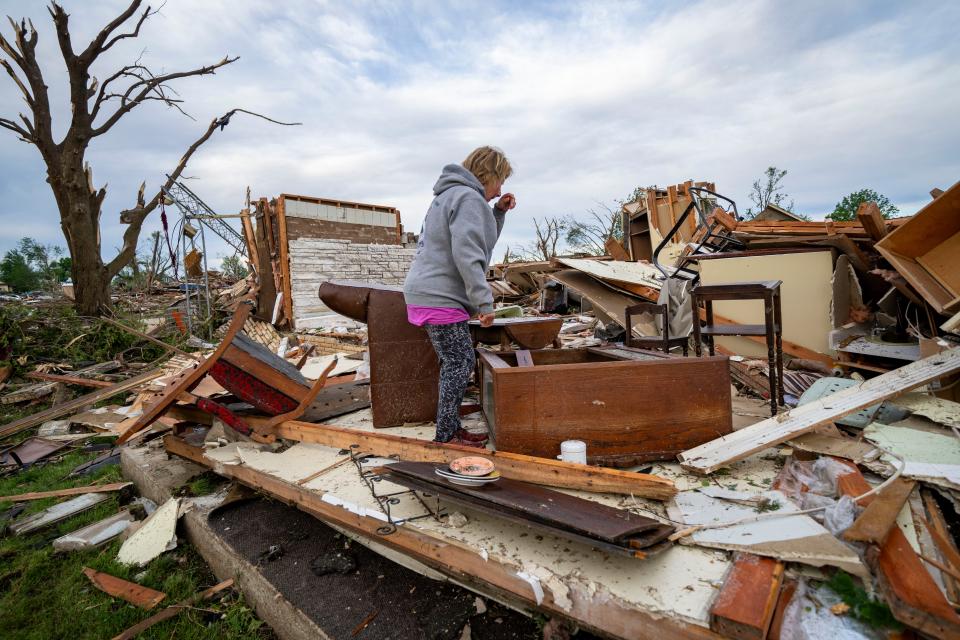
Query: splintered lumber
point(135, 594)
point(880, 516)
point(914, 598)
point(741, 444)
point(515, 466)
point(868, 213)
point(72, 406)
point(173, 610)
point(60, 493)
point(144, 336)
point(748, 599)
point(937, 526)
point(80, 382)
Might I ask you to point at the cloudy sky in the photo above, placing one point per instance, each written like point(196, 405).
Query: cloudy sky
point(588, 100)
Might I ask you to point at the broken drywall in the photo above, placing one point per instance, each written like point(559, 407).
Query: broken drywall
point(796, 538)
point(157, 534)
point(928, 456)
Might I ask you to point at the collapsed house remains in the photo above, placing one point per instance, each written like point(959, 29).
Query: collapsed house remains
point(632, 492)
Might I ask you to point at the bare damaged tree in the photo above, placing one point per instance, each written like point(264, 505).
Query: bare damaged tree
point(69, 176)
point(591, 235)
point(548, 235)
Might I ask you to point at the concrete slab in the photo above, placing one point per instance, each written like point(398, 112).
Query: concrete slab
point(157, 477)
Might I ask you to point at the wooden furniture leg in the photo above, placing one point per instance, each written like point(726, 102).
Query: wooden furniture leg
point(697, 347)
point(771, 352)
point(778, 319)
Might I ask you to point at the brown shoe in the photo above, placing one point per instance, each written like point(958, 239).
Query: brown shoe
point(463, 434)
point(456, 439)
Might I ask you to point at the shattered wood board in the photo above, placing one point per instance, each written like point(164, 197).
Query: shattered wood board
point(945, 412)
point(679, 583)
point(931, 457)
point(143, 597)
point(56, 513)
point(743, 443)
point(157, 534)
point(794, 538)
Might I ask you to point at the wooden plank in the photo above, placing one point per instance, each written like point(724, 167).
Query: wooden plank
point(914, 598)
point(741, 444)
point(135, 594)
point(466, 565)
point(880, 516)
point(60, 493)
point(173, 610)
point(77, 404)
point(783, 601)
point(868, 213)
point(615, 249)
point(554, 473)
point(285, 262)
point(746, 603)
point(80, 382)
point(942, 538)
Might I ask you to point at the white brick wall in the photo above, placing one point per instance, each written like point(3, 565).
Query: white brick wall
point(313, 260)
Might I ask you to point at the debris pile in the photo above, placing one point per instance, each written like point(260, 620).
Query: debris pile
point(768, 411)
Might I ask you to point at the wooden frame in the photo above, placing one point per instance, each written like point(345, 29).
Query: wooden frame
point(627, 405)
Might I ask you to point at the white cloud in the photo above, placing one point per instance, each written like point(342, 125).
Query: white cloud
point(588, 100)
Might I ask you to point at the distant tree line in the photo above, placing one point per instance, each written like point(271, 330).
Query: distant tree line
point(32, 266)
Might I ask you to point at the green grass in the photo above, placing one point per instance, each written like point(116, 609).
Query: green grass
point(45, 595)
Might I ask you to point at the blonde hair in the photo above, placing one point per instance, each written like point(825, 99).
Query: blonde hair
point(489, 164)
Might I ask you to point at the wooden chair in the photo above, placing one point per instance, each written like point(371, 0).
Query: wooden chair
point(663, 342)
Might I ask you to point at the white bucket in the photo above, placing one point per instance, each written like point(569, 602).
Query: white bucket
point(573, 451)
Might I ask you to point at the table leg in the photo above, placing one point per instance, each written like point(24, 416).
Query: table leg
point(778, 319)
point(696, 325)
point(771, 354)
point(710, 342)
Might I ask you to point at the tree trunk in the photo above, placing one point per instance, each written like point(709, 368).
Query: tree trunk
point(80, 220)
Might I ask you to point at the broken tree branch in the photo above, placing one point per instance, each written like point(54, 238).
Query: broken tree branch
point(135, 217)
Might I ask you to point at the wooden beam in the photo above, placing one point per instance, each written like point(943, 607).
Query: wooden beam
point(151, 339)
point(464, 564)
point(135, 594)
point(543, 471)
point(77, 404)
point(61, 493)
point(742, 444)
point(746, 603)
point(285, 261)
point(868, 213)
point(880, 516)
point(914, 598)
point(80, 382)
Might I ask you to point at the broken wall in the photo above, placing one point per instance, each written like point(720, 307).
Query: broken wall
point(314, 260)
point(308, 217)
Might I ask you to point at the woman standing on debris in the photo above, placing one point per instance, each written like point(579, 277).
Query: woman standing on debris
point(447, 282)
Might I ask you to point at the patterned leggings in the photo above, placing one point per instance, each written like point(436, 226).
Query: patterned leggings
point(454, 348)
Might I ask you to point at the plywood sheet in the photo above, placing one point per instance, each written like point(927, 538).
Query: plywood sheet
point(807, 295)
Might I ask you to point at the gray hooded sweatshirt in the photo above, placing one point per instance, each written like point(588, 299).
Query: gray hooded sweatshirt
point(455, 246)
